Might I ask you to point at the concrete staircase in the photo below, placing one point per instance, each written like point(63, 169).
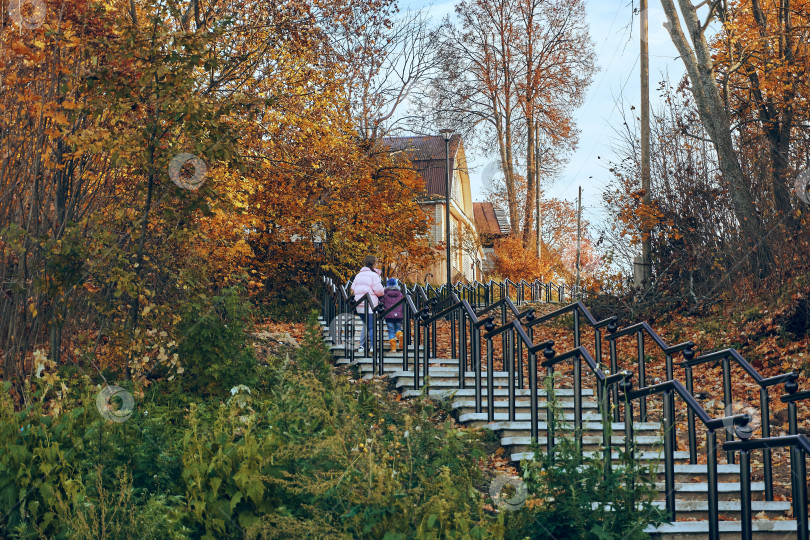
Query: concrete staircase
point(691, 484)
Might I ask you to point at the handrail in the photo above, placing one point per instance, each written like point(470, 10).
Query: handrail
point(799, 440)
point(583, 353)
point(571, 307)
point(689, 399)
point(644, 326)
point(743, 363)
point(724, 356)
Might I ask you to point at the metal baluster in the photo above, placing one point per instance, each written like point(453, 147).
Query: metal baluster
point(417, 326)
point(406, 336)
point(745, 495)
point(669, 456)
point(519, 366)
point(711, 476)
point(490, 381)
point(766, 452)
point(510, 372)
point(578, 399)
point(476, 359)
point(611, 328)
point(462, 357)
point(453, 335)
point(690, 419)
point(727, 405)
point(800, 495)
point(533, 412)
point(642, 376)
point(550, 412)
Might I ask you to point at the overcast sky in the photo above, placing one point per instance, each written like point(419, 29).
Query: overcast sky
point(617, 55)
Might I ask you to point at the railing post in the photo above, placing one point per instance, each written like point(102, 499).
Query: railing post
point(510, 372)
point(490, 375)
point(519, 365)
point(642, 376)
point(533, 397)
point(406, 335)
point(767, 472)
point(462, 357)
point(690, 419)
point(578, 399)
point(611, 328)
point(434, 350)
point(800, 495)
point(550, 411)
point(793, 429)
point(475, 332)
point(503, 321)
point(627, 385)
point(745, 494)
point(453, 349)
point(711, 477)
point(597, 346)
point(379, 351)
point(727, 405)
point(417, 327)
point(669, 456)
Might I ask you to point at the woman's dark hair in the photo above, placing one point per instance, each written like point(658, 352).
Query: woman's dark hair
point(370, 261)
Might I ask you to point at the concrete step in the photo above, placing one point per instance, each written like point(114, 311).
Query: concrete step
point(654, 457)
point(396, 358)
point(699, 509)
point(522, 425)
point(523, 417)
point(699, 490)
point(686, 472)
point(469, 394)
point(589, 442)
point(449, 378)
point(729, 530)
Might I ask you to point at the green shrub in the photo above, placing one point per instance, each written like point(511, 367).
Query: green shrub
point(213, 348)
point(302, 453)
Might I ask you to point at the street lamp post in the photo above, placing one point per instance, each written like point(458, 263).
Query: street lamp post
point(447, 134)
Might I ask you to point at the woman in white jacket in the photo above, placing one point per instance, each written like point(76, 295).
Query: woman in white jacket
point(368, 281)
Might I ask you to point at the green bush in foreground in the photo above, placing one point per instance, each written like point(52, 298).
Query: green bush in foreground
point(301, 453)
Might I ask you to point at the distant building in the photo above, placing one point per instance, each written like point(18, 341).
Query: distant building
point(427, 154)
point(492, 225)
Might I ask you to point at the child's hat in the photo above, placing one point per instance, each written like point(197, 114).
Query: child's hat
point(392, 282)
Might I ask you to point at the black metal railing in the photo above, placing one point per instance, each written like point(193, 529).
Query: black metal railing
point(668, 390)
point(478, 314)
point(725, 357)
point(799, 447)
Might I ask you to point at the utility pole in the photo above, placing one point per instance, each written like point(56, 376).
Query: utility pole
point(537, 187)
point(579, 239)
point(646, 233)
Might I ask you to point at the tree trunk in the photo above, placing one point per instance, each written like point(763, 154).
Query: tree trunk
point(530, 185)
point(700, 69)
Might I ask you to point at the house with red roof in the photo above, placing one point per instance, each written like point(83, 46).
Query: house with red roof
point(427, 153)
point(492, 224)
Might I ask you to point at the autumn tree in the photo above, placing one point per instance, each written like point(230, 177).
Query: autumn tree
point(762, 58)
point(101, 238)
point(513, 72)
